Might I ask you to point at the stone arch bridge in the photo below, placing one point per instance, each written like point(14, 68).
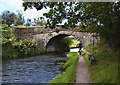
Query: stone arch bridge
point(47, 38)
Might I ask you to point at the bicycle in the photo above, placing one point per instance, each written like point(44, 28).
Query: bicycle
point(79, 52)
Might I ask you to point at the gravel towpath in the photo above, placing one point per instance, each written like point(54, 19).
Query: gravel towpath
point(82, 72)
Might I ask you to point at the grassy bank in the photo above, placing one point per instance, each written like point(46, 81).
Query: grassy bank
point(70, 67)
point(85, 58)
point(106, 70)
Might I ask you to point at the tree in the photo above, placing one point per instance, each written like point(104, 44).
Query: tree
point(20, 19)
point(39, 21)
point(8, 18)
point(28, 22)
point(102, 18)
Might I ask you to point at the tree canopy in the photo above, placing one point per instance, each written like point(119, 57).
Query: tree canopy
point(20, 18)
point(10, 18)
point(39, 21)
point(102, 18)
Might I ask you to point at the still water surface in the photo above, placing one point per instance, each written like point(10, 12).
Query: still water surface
point(37, 69)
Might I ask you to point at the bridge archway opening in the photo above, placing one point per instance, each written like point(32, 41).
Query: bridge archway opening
point(55, 43)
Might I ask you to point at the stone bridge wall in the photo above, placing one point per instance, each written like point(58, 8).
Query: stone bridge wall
point(42, 35)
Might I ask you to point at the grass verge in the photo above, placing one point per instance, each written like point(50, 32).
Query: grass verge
point(70, 67)
point(86, 58)
point(106, 70)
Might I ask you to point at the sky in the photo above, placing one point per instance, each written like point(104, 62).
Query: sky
point(14, 5)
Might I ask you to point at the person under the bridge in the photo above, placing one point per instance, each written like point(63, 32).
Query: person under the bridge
point(80, 47)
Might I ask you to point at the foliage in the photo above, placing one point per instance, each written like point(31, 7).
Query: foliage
point(28, 22)
point(6, 33)
point(86, 58)
point(0, 35)
point(13, 48)
point(39, 21)
point(69, 75)
point(64, 44)
point(106, 70)
point(11, 18)
point(8, 18)
point(91, 16)
point(26, 47)
point(22, 26)
point(74, 43)
point(57, 30)
point(20, 19)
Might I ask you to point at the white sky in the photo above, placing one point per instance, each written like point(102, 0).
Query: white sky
point(14, 5)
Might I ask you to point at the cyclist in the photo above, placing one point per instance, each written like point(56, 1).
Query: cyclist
point(80, 47)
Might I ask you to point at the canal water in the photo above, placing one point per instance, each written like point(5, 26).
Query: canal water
point(37, 69)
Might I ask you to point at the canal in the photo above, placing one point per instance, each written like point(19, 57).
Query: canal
point(37, 69)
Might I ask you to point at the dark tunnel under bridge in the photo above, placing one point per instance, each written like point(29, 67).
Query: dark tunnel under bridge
point(53, 42)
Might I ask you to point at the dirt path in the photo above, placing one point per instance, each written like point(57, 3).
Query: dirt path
point(82, 73)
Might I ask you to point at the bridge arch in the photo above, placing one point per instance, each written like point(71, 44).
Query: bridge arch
point(52, 44)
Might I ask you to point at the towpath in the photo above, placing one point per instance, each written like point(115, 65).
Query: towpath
point(82, 72)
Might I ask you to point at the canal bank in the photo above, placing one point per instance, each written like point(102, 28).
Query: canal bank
point(68, 76)
point(76, 69)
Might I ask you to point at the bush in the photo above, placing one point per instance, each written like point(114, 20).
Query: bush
point(20, 48)
point(6, 33)
point(12, 48)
